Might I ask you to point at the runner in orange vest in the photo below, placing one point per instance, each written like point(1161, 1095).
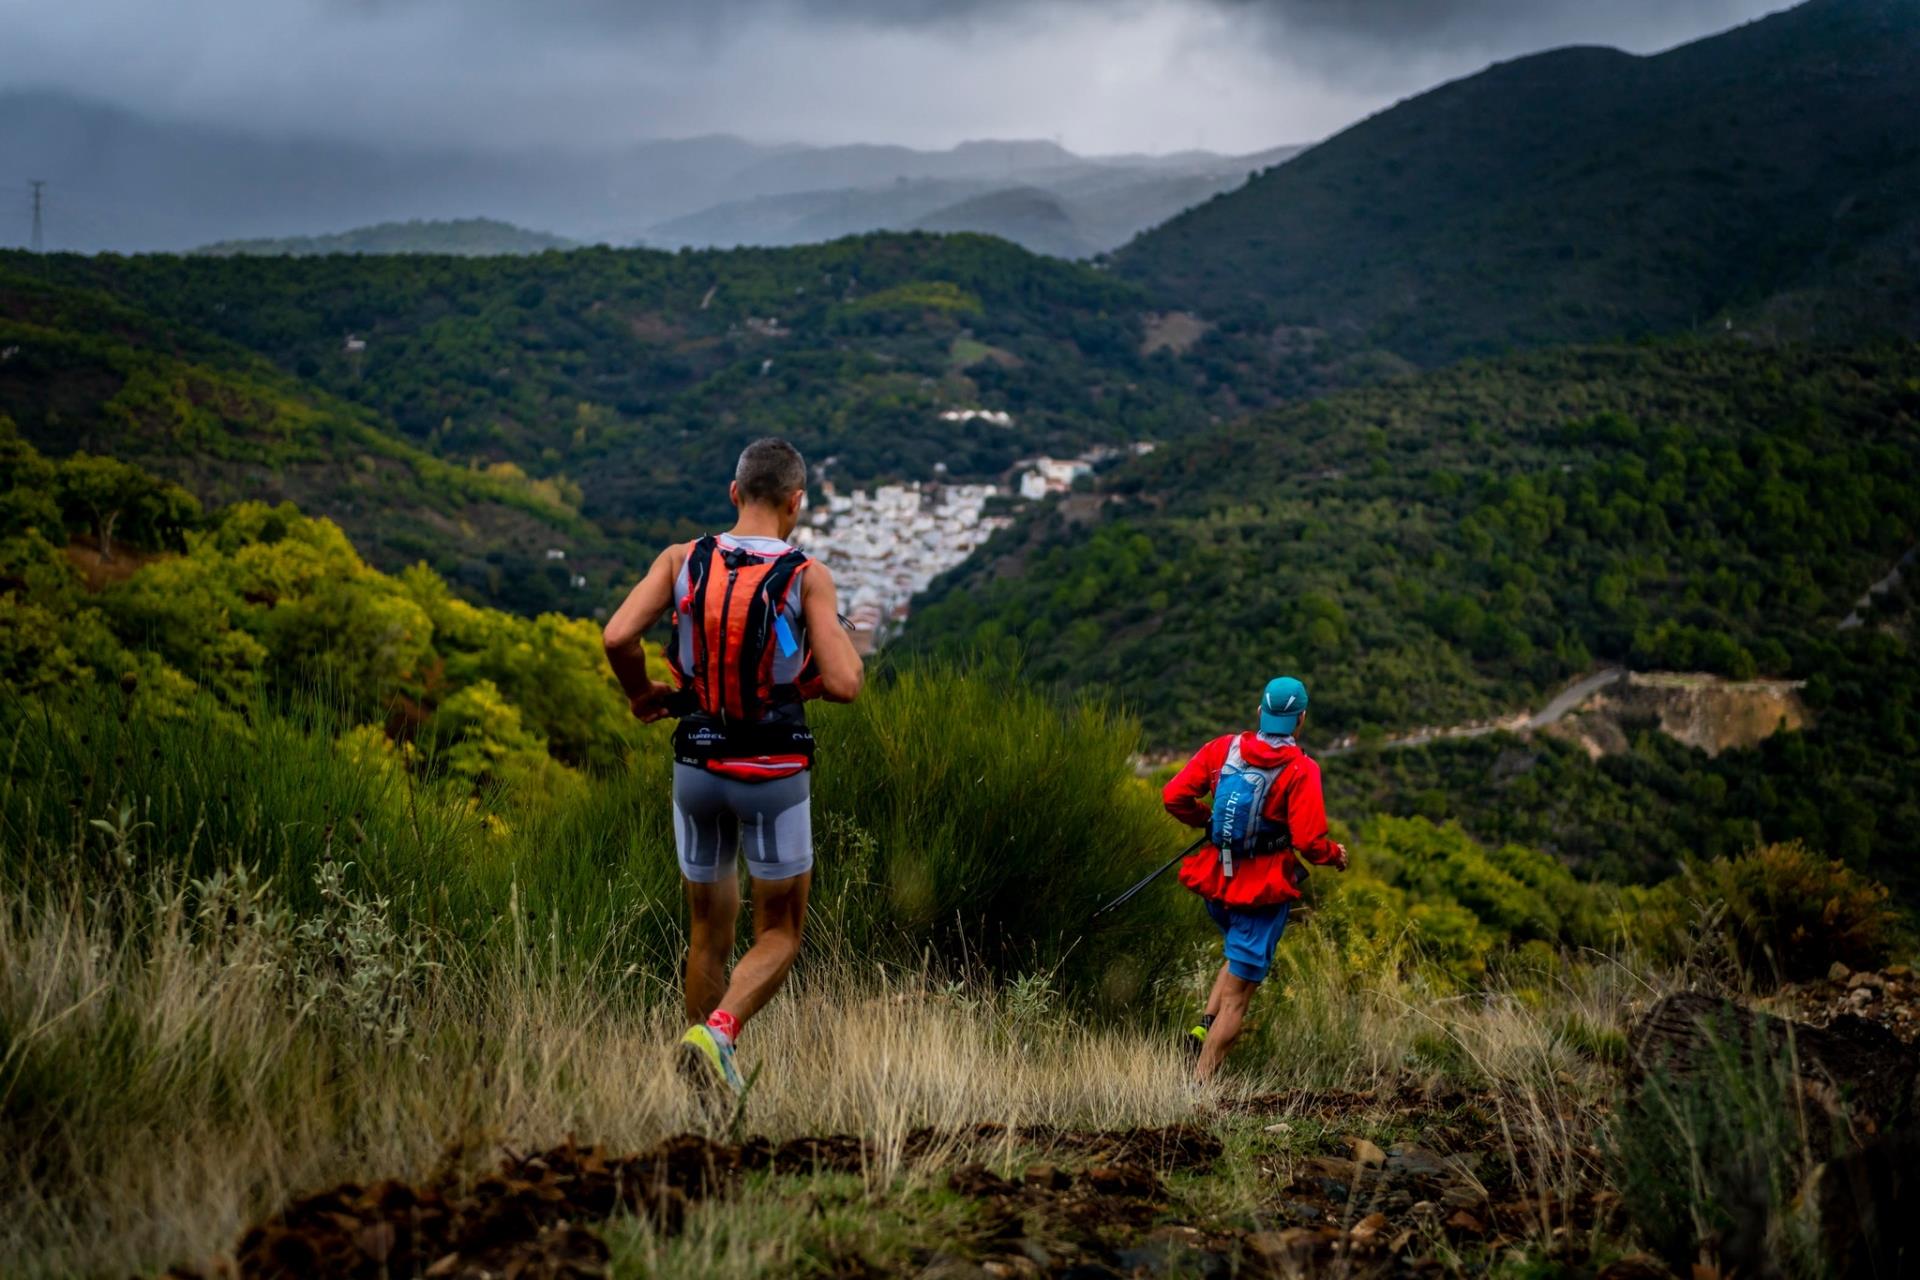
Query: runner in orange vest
point(756, 634)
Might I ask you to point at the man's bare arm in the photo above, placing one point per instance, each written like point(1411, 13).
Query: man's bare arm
point(625, 636)
point(841, 671)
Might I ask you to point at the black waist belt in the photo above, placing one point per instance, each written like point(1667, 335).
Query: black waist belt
point(701, 739)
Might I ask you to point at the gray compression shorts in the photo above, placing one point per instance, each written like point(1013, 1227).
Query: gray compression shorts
point(713, 817)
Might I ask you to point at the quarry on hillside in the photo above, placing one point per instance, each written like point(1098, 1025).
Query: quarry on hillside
point(1708, 712)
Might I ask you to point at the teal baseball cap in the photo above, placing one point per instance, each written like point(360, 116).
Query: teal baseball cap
point(1282, 705)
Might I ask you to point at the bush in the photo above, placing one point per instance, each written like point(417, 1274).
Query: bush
point(1785, 913)
point(1433, 894)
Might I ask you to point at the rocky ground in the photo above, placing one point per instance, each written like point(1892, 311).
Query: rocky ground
point(1889, 997)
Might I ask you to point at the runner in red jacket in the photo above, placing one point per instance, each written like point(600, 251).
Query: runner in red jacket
point(1251, 906)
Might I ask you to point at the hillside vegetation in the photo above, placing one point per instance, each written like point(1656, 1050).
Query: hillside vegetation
point(1451, 546)
point(279, 827)
point(220, 907)
point(1766, 179)
point(82, 372)
point(639, 374)
point(1445, 549)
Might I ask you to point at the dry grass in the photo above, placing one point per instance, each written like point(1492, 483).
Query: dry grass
point(172, 1083)
point(171, 1087)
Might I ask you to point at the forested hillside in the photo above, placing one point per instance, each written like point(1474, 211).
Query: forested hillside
point(1448, 548)
point(1766, 179)
point(1846, 785)
point(1442, 548)
point(81, 372)
point(637, 375)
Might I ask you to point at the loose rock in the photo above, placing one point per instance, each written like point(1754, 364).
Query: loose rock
point(1365, 1153)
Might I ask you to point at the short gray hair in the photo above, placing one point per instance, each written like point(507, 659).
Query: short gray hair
point(770, 471)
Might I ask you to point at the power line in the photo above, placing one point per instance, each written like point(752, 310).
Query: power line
point(39, 184)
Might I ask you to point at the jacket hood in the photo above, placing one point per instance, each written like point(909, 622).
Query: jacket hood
point(1262, 755)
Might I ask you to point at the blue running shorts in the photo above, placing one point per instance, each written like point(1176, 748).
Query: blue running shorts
point(1250, 933)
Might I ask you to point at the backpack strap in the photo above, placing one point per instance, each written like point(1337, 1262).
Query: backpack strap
point(693, 612)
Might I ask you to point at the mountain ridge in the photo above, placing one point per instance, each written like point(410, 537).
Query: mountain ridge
point(122, 181)
point(1581, 194)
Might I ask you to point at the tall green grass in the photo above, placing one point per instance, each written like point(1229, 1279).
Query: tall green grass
point(963, 822)
point(1716, 1164)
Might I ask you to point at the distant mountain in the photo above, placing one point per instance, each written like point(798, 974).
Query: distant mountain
point(810, 217)
point(120, 181)
point(131, 183)
point(462, 237)
point(859, 165)
point(1767, 178)
point(1102, 202)
point(1024, 215)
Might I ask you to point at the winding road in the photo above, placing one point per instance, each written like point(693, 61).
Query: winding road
point(1564, 703)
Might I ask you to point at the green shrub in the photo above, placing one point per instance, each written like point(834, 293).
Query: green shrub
point(1432, 894)
point(1785, 914)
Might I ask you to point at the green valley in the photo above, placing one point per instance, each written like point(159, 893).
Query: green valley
point(80, 371)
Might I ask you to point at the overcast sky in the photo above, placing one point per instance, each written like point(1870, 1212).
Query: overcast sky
point(1097, 75)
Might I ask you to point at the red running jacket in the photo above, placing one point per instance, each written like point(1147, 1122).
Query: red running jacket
point(1295, 800)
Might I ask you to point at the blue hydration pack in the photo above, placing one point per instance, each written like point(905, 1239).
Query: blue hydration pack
point(1239, 828)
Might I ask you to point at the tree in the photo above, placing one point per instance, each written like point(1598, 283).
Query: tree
point(107, 491)
point(26, 486)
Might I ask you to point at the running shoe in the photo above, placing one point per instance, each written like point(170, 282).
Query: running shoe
point(1195, 1038)
point(706, 1058)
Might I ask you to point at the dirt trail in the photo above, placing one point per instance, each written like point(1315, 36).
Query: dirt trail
point(1558, 708)
point(1041, 1201)
point(1703, 711)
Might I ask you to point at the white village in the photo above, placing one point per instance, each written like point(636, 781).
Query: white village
point(888, 543)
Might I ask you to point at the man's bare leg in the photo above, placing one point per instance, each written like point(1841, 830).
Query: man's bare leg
point(1234, 996)
point(1220, 981)
point(714, 910)
point(779, 914)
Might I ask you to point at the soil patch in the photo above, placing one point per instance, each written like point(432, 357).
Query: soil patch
point(533, 1215)
point(524, 1219)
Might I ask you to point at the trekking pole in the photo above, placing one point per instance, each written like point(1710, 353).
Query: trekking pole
point(1148, 879)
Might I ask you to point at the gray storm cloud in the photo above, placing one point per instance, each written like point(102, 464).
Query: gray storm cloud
point(1099, 75)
